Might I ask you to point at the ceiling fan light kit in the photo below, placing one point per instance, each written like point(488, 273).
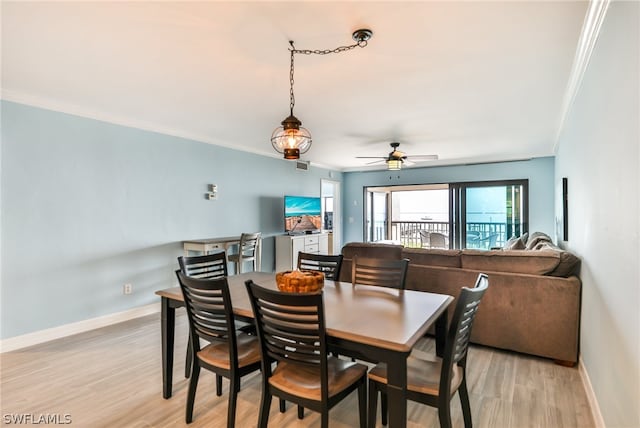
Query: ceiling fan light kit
point(291, 139)
point(396, 158)
point(394, 164)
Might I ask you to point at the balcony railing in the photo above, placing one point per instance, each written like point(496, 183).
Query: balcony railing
point(408, 232)
point(479, 235)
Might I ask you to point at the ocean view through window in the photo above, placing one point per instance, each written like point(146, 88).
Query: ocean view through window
point(480, 215)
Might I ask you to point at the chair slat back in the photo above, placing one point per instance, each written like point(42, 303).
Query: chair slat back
point(460, 330)
point(290, 326)
point(482, 281)
point(248, 244)
point(209, 310)
point(379, 272)
point(457, 344)
point(329, 265)
point(207, 266)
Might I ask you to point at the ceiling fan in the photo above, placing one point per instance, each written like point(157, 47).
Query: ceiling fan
point(396, 158)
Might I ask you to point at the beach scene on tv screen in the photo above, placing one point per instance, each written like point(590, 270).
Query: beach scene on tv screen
point(302, 213)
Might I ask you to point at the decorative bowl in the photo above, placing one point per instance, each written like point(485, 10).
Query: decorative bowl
point(296, 281)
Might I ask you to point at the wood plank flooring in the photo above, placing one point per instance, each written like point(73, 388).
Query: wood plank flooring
point(111, 377)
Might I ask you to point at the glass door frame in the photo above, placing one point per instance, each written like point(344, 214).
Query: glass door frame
point(458, 206)
point(390, 233)
point(335, 241)
point(369, 232)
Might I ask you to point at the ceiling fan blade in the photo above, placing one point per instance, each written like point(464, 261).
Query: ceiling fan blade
point(424, 157)
point(398, 156)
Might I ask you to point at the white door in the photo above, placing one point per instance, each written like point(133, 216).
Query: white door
point(332, 212)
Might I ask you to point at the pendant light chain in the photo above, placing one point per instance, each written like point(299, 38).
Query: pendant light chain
point(359, 43)
point(291, 139)
point(292, 98)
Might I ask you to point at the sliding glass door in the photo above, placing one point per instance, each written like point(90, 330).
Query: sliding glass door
point(376, 215)
point(408, 215)
point(490, 213)
point(417, 215)
point(480, 215)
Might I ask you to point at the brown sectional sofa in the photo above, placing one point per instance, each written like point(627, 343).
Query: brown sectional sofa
point(532, 304)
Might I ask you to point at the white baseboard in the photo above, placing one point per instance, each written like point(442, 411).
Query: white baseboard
point(591, 396)
point(30, 339)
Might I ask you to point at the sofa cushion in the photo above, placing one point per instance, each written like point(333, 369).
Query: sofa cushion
point(535, 238)
point(533, 263)
point(372, 250)
point(569, 263)
point(432, 257)
point(514, 243)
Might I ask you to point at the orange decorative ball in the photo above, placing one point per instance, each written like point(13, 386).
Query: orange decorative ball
point(297, 281)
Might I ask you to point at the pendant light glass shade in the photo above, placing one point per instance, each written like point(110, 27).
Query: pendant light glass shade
point(291, 139)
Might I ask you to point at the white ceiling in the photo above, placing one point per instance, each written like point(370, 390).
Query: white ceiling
point(470, 81)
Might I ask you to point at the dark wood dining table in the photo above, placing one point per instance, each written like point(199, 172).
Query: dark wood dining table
point(371, 323)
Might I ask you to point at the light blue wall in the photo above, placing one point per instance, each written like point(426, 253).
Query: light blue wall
point(539, 172)
point(88, 206)
point(600, 156)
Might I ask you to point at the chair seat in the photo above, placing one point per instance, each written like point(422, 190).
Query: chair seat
point(217, 354)
point(304, 381)
point(423, 374)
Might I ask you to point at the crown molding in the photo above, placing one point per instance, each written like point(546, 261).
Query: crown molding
point(593, 20)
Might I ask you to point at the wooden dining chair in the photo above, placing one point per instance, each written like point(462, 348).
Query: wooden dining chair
point(229, 353)
point(205, 266)
point(291, 330)
point(380, 272)
point(329, 265)
point(208, 266)
point(434, 381)
point(248, 250)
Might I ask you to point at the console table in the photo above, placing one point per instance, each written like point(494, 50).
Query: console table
point(205, 246)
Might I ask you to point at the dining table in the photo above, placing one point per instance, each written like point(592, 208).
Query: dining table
point(372, 323)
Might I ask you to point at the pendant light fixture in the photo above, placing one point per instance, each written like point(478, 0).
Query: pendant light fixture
point(291, 139)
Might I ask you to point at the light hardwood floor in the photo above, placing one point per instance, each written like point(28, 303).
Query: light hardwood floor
point(111, 377)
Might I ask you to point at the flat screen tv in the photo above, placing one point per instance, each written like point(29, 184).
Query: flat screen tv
point(302, 214)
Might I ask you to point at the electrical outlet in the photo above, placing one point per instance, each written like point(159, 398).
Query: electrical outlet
point(127, 288)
